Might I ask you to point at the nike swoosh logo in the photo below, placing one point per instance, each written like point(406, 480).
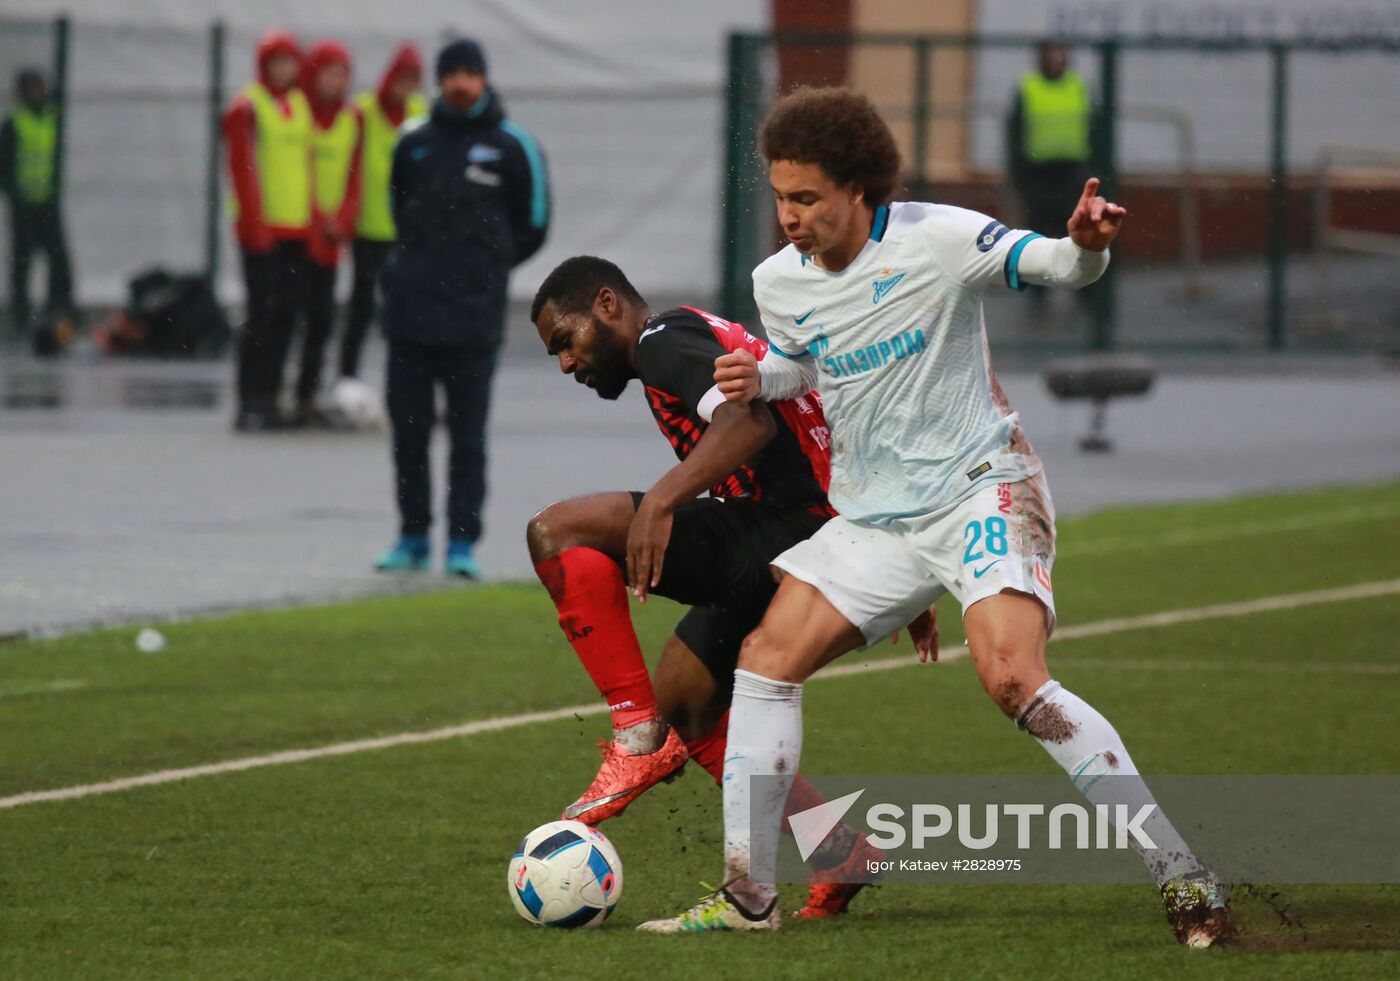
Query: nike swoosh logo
point(979, 573)
point(574, 810)
point(799, 321)
point(649, 331)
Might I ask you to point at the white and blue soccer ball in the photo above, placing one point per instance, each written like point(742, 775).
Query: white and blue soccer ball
point(358, 404)
point(565, 874)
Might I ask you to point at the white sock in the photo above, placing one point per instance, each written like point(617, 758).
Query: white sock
point(1089, 748)
point(765, 739)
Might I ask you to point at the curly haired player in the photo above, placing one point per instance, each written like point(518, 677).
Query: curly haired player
point(879, 307)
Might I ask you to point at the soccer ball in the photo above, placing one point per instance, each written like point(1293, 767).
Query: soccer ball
point(565, 874)
point(358, 403)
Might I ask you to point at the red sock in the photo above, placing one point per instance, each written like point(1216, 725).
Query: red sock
point(708, 750)
point(801, 797)
point(589, 592)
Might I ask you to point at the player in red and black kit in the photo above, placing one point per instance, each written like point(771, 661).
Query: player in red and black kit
point(766, 471)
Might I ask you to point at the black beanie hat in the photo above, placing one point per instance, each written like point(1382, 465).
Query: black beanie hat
point(464, 54)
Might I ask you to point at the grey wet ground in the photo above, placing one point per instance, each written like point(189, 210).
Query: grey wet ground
point(116, 508)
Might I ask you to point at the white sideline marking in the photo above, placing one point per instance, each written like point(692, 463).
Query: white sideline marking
point(1288, 602)
point(300, 755)
point(43, 687)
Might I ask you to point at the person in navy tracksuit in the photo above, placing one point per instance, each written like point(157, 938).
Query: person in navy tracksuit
point(470, 198)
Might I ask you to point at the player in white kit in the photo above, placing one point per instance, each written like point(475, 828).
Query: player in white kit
point(879, 307)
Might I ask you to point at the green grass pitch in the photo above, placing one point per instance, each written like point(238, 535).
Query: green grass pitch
point(391, 863)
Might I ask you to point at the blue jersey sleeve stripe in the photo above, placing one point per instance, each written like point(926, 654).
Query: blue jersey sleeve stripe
point(880, 223)
point(1010, 269)
point(791, 357)
point(539, 177)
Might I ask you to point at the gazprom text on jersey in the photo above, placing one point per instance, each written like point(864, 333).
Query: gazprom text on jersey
point(868, 358)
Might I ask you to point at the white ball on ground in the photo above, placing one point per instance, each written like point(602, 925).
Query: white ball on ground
point(150, 641)
point(565, 874)
point(359, 403)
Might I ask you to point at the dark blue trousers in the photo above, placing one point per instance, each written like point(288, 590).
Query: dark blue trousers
point(465, 374)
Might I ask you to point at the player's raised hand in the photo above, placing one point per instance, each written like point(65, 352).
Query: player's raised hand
point(647, 538)
point(736, 376)
point(1095, 222)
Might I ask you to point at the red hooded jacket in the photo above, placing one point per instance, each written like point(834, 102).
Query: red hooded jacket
point(330, 231)
point(406, 61)
point(240, 134)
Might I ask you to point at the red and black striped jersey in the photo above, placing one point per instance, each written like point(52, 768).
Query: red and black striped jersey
point(676, 361)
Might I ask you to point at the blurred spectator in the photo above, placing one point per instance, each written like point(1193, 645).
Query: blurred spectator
point(268, 130)
point(382, 113)
point(470, 200)
point(1049, 139)
point(336, 150)
point(28, 177)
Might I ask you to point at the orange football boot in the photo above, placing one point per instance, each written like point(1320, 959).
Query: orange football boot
point(624, 777)
point(830, 891)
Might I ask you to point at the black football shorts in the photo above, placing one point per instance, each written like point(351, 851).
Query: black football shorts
point(717, 563)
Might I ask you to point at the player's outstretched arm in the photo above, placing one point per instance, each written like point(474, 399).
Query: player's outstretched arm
point(1096, 221)
point(1081, 258)
point(737, 431)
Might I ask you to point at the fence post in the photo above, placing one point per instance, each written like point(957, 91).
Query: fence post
point(736, 300)
point(923, 52)
point(62, 28)
point(1278, 201)
point(212, 210)
point(1105, 294)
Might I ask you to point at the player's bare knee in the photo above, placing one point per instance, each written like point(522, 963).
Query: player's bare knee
point(543, 533)
point(762, 654)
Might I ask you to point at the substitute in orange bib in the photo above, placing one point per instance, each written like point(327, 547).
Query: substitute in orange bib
point(268, 133)
point(335, 140)
point(382, 113)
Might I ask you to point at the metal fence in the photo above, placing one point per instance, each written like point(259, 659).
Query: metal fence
point(1266, 214)
point(144, 181)
point(141, 176)
point(1251, 228)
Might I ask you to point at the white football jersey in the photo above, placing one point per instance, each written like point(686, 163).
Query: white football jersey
point(918, 421)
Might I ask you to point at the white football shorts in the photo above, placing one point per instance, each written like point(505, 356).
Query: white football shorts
point(879, 577)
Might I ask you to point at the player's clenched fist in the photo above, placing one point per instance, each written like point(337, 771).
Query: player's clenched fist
point(736, 376)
